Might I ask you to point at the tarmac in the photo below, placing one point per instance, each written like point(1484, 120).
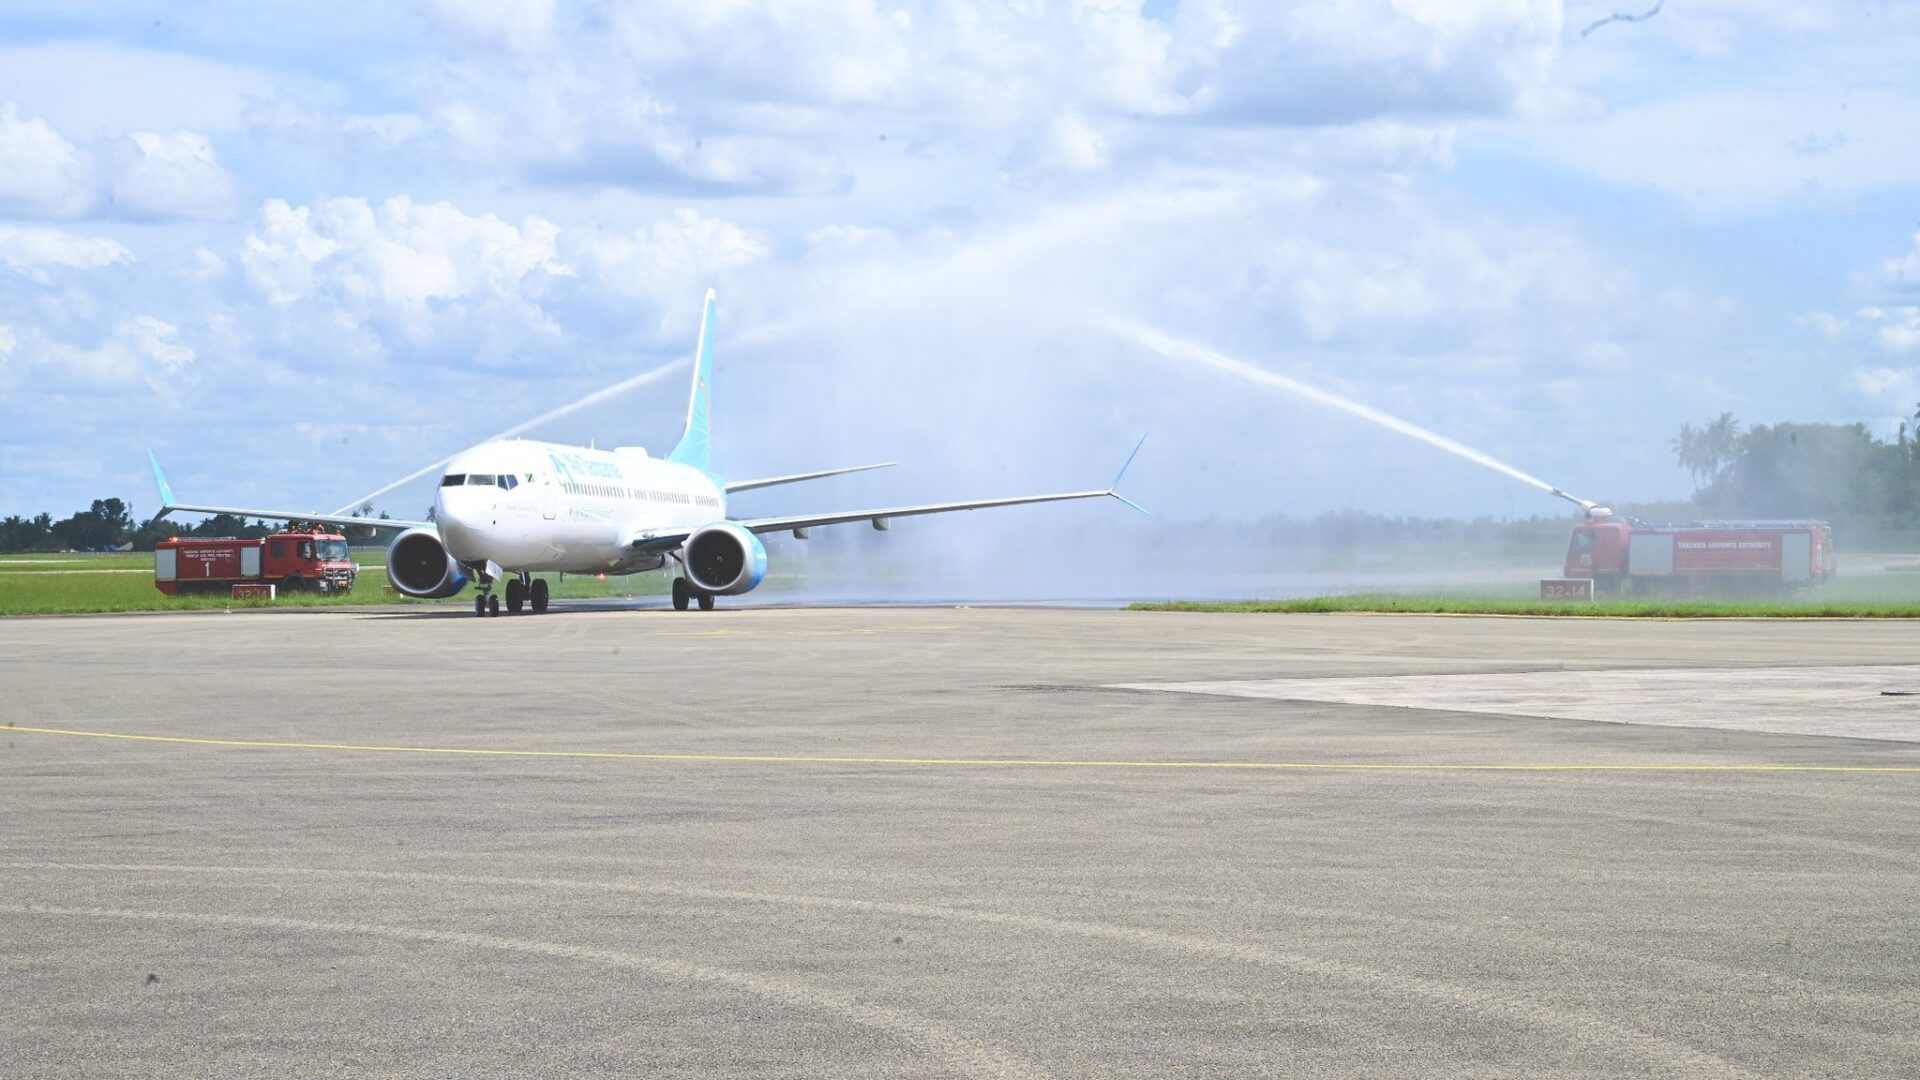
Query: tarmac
point(956, 842)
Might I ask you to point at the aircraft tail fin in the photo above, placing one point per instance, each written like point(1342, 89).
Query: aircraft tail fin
point(693, 445)
point(160, 481)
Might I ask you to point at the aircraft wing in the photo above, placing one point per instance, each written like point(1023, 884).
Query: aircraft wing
point(770, 481)
point(168, 504)
point(296, 515)
point(881, 517)
point(659, 543)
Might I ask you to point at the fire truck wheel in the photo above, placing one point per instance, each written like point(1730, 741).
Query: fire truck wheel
point(515, 597)
point(292, 583)
point(706, 601)
point(681, 594)
point(493, 605)
point(539, 597)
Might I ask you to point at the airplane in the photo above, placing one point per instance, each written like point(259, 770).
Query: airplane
point(508, 509)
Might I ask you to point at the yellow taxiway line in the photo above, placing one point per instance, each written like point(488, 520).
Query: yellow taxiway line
point(961, 762)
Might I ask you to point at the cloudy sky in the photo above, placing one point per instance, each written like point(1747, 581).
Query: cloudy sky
point(303, 249)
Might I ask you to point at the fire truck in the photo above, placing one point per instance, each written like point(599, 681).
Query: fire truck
point(1626, 555)
point(293, 561)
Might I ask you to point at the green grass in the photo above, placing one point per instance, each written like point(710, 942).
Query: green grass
point(1815, 607)
point(75, 584)
point(72, 584)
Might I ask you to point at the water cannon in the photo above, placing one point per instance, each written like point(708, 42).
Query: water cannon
point(1594, 510)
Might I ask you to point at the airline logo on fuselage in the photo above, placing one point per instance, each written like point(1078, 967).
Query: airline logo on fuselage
point(569, 467)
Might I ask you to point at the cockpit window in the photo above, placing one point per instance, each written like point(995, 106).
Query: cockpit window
point(453, 479)
point(1582, 541)
point(480, 478)
point(509, 481)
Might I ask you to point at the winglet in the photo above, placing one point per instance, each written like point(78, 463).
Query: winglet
point(1111, 488)
point(692, 448)
point(160, 479)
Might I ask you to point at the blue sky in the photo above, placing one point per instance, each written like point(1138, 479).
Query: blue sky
point(301, 250)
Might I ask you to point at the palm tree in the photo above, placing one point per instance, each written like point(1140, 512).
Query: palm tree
point(1721, 443)
point(1688, 450)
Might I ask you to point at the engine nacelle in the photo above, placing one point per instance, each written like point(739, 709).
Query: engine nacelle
point(418, 565)
point(724, 559)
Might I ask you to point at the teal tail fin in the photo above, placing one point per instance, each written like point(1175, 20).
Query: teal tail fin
point(692, 448)
point(160, 481)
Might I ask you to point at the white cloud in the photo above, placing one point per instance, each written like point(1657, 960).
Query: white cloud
point(207, 266)
point(1896, 329)
point(1317, 63)
point(41, 173)
point(664, 258)
point(517, 24)
point(689, 96)
point(400, 256)
point(1073, 143)
point(1825, 324)
point(33, 247)
point(7, 341)
point(142, 350)
point(94, 89)
point(1883, 385)
point(1736, 151)
point(172, 176)
point(1395, 268)
point(1902, 272)
point(1901, 334)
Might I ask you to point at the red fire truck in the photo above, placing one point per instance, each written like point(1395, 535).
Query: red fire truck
point(291, 560)
point(1622, 554)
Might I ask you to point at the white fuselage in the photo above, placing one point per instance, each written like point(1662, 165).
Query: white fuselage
point(567, 508)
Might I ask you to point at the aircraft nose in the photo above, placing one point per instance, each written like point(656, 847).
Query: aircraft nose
point(457, 512)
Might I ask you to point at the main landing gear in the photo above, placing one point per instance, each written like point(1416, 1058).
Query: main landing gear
point(685, 594)
point(523, 591)
point(526, 591)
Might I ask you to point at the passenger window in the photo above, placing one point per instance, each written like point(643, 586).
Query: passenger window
point(306, 550)
point(277, 550)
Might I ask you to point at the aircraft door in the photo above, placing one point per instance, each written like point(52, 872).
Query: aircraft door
point(549, 498)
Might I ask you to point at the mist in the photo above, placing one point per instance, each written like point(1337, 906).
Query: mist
point(950, 368)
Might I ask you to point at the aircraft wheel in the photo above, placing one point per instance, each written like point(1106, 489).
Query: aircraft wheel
point(480, 604)
point(682, 595)
point(516, 597)
point(493, 605)
point(706, 601)
point(539, 597)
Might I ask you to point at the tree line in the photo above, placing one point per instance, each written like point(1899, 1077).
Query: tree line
point(1866, 487)
point(109, 525)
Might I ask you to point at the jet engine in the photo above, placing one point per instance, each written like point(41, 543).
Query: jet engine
point(418, 565)
point(724, 559)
